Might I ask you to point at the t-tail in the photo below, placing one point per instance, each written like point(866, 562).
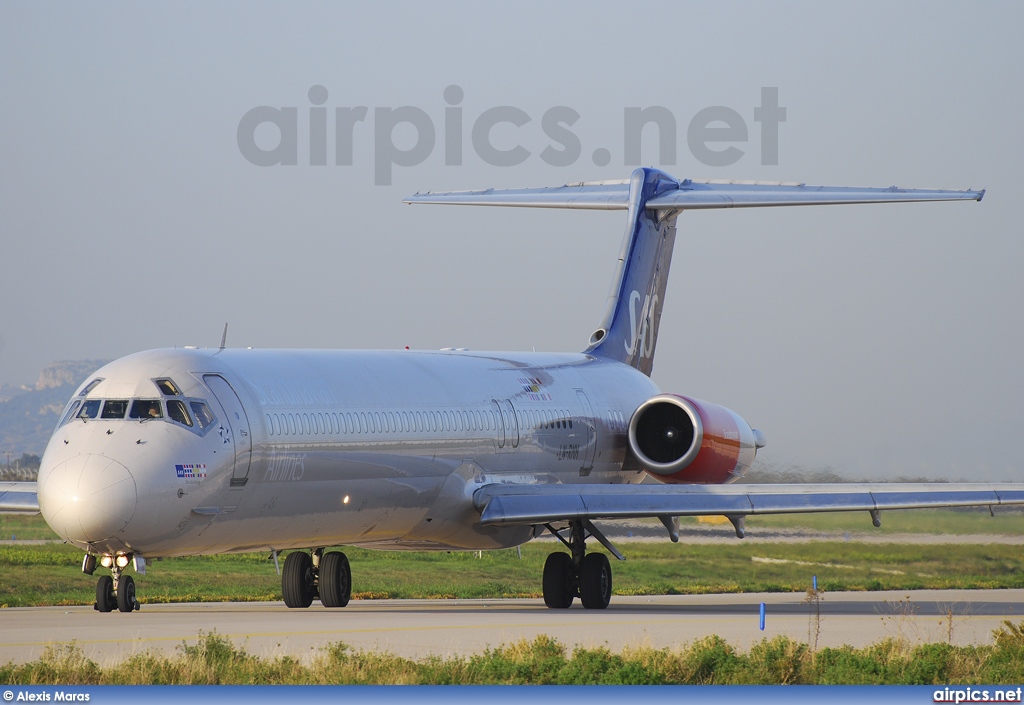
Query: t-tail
point(629, 330)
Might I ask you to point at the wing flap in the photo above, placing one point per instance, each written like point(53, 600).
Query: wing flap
point(19, 497)
point(502, 504)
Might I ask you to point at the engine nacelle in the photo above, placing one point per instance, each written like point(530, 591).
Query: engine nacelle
point(683, 440)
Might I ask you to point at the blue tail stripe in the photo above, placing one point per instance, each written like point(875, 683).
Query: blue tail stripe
point(630, 329)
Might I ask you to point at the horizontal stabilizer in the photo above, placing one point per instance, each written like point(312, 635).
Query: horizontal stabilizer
point(19, 497)
point(690, 195)
point(593, 195)
point(697, 195)
point(541, 504)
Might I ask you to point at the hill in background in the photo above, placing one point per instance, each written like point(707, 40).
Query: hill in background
point(29, 413)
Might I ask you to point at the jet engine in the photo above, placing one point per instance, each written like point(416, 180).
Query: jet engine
point(681, 440)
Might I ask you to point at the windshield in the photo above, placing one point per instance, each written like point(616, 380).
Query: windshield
point(193, 414)
point(90, 409)
point(115, 409)
point(146, 409)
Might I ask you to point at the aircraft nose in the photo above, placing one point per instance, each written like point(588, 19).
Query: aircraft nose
point(87, 498)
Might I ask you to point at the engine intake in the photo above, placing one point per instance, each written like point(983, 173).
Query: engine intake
point(678, 439)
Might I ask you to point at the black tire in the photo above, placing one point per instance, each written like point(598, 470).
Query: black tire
point(595, 581)
point(297, 580)
point(126, 594)
point(105, 600)
point(558, 581)
point(335, 579)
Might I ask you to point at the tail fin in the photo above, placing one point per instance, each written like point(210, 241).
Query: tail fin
point(629, 331)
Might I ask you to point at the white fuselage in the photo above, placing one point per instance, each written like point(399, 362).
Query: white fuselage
point(320, 448)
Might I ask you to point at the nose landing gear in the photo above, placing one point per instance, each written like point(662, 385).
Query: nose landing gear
point(588, 577)
point(114, 590)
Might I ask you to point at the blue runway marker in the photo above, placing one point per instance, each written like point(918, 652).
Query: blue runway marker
point(762, 616)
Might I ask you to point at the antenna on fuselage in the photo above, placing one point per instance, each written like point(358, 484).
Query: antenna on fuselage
point(224, 338)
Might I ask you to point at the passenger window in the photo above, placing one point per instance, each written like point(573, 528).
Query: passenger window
point(204, 417)
point(90, 409)
point(169, 389)
point(71, 412)
point(176, 410)
point(114, 408)
point(143, 409)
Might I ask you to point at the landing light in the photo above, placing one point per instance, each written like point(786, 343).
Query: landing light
point(122, 560)
point(345, 500)
point(106, 561)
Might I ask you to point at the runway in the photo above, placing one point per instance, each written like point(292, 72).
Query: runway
point(419, 628)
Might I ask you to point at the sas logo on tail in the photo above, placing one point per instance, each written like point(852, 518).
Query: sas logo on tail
point(191, 471)
point(642, 340)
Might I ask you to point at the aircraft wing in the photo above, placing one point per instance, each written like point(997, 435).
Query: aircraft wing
point(690, 194)
point(19, 497)
point(502, 504)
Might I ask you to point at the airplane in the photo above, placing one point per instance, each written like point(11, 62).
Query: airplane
point(188, 451)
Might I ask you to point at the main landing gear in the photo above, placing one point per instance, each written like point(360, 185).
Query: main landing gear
point(114, 591)
point(589, 577)
point(323, 575)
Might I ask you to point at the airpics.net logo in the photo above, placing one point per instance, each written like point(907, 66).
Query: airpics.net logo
point(716, 136)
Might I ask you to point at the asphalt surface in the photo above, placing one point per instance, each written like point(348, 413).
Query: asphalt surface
point(420, 628)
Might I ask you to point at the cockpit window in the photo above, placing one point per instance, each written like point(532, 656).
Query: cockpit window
point(177, 411)
point(146, 409)
point(168, 388)
point(203, 414)
point(89, 387)
point(71, 412)
point(114, 408)
point(90, 409)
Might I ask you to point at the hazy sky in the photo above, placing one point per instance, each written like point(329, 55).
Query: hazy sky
point(875, 340)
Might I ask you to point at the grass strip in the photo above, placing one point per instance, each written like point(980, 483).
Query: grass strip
point(36, 575)
point(214, 659)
